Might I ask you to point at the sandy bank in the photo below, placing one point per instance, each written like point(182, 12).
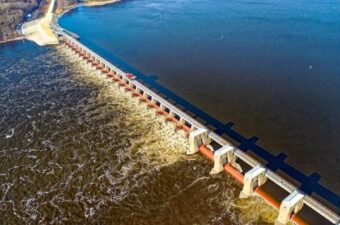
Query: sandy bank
point(99, 3)
point(12, 39)
point(39, 30)
point(61, 12)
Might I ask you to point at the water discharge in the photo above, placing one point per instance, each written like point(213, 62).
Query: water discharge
point(76, 149)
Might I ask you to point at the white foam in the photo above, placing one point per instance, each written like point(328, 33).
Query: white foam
point(10, 133)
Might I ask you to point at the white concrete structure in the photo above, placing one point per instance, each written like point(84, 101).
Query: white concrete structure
point(39, 30)
point(222, 156)
point(292, 204)
point(197, 138)
point(252, 179)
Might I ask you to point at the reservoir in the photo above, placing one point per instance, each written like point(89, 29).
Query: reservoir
point(270, 68)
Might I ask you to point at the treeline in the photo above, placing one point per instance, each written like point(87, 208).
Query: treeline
point(12, 13)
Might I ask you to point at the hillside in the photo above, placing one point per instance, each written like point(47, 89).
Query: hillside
point(12, 14)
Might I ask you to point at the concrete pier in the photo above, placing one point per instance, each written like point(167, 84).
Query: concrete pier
point(292, 204)
point(252, 179)
point(221, 157)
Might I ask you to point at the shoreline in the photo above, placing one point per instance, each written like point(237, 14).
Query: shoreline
point(101, 3)
point(59, 15)
point(89, 4)
point(39, 30)
point(12, 40)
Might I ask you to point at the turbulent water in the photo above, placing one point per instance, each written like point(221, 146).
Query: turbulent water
point(75, 149)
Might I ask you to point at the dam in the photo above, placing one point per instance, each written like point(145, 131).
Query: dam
point(85, 138)
point(248, 171)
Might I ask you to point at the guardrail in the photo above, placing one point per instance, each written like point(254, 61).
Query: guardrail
point(281, 182)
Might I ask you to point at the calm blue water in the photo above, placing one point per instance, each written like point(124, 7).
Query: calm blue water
point(270, 67)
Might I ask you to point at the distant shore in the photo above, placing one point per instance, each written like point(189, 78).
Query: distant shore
point(97, 3)
point(89, 4)
point(60, 12)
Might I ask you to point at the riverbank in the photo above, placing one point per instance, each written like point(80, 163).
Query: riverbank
point(13, 13)
point(62, 9)
point(39, 30)
point(19, 10)
point(99, 3)
point(12, 39)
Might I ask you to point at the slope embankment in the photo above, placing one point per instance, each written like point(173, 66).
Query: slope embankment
point(39, 30)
